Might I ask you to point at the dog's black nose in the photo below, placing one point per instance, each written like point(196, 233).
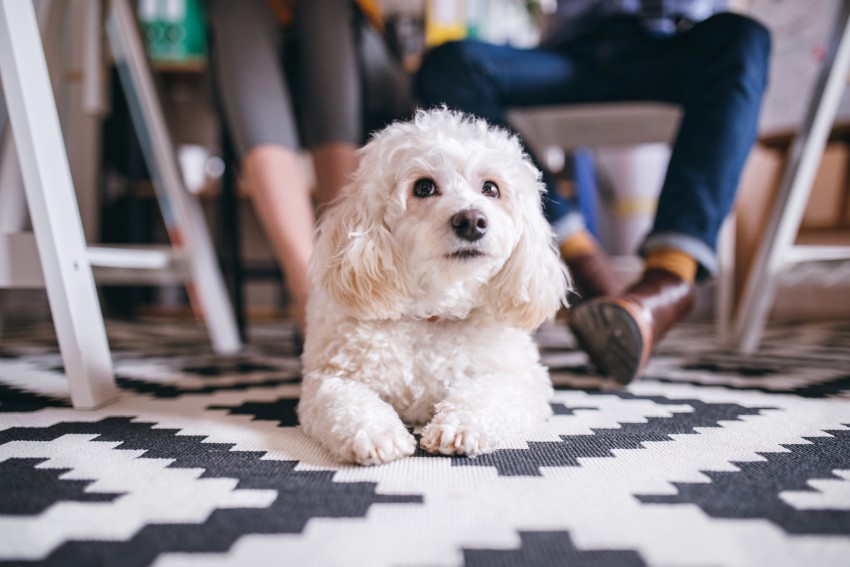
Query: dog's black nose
point(470, 224)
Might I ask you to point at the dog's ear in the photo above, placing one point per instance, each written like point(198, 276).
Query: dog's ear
point(355, 258)
point(533, 283)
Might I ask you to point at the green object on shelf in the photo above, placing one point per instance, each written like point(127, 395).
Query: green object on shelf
point(174, 31)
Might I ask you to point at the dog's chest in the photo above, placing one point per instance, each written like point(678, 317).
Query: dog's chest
point(425, 359)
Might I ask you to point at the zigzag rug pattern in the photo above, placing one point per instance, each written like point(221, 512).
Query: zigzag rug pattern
point(713, 459)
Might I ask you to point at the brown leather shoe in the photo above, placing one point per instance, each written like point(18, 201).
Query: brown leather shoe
point(593, 276)
point(619, 333)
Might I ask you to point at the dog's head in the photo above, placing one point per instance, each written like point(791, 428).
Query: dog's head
point(443, 216)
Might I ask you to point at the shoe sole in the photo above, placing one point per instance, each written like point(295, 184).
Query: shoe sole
point(613, 335)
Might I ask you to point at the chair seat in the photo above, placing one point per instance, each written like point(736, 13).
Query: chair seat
point(596, 125)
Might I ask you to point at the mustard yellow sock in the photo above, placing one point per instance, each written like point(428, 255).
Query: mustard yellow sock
point(673, 261)
point(577, 244)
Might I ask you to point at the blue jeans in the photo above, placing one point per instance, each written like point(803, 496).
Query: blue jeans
point(716, 71)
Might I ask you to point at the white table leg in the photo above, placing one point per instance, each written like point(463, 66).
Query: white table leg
point(804, 157)
point(53, 207)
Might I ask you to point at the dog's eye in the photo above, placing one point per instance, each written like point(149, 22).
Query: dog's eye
point(424, 188)
point(490, 189)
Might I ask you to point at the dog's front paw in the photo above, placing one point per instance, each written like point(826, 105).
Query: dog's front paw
point(379, 446)
point(450, 437)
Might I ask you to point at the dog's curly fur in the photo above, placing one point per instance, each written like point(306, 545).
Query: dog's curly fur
point(410, 322)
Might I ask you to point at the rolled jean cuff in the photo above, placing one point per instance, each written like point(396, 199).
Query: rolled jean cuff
point(695, 248)
point(568, 225)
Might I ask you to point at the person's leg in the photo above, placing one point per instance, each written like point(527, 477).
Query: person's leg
point(334, 163)
point(279, 192)
point(258, 113)
point(726, 77)
point(717, 71)
point(330, 91)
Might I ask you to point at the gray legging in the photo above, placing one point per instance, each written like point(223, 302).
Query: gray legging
point(329, 76)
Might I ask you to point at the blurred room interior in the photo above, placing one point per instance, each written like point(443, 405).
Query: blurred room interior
point(611, 161)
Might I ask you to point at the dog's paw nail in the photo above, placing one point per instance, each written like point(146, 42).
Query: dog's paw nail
point(450, 440)
point(468, 442)
point(375, 448)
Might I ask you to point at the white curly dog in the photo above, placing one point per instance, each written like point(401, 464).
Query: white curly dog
point(429, 274)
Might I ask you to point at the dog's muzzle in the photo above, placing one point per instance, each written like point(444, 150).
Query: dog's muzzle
point(469, 224)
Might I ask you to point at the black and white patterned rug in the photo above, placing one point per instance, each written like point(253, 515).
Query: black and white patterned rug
point(713, 460)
